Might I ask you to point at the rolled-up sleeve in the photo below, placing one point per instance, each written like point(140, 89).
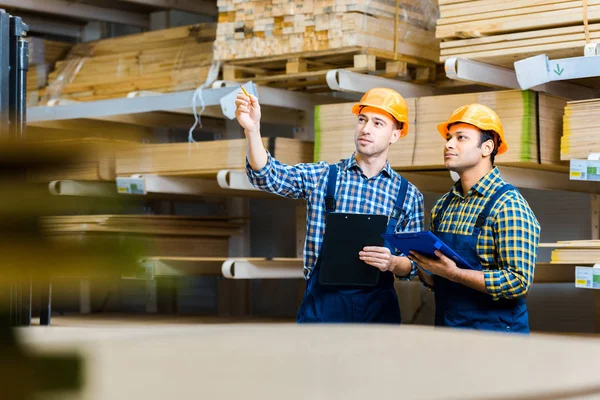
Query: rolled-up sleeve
point(516, 234)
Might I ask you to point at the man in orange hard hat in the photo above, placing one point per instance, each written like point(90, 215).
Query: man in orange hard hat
point(364, 183)
point(489, 224)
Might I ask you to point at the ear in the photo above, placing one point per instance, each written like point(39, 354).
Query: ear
point(395, 135)
point(487, 148)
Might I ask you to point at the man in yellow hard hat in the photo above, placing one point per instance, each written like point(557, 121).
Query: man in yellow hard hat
point(489, 224)
point(364, 183)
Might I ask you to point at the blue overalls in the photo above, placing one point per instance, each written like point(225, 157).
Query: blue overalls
point(460, 306)
point(347, 304)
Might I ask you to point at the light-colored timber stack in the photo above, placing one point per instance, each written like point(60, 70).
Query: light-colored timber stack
point(575, 252)
point(43, 55)
point(580, 129)
point(204, 158)
point(159, 61)
point(533, 136)
point(502, 32)
point(42, 51)
point(313, 35)
point(93, 159)
point(154, 235)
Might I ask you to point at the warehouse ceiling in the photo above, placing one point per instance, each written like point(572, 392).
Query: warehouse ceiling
point(66, 18)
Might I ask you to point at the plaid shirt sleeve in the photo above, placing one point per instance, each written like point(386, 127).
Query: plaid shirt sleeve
point(413, 222)
point(516, 233)
point(292, 181)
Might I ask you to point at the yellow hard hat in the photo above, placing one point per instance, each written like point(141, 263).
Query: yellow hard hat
point(480, 116)
point(387, 100)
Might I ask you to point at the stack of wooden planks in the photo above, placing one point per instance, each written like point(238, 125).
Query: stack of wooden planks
point(160, 61)
point(580, 129)
point(43, 55)
point(204, 158)
point(91, 159)
point(294, 28)
point(533, 137)
point(158, 235)
point(42, 51)
point(575, 252)
point(501, 32)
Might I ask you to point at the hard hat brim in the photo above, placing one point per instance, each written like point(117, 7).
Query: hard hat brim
point(443, 130)
point(400, 118)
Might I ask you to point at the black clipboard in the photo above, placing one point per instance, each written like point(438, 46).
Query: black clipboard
point(345, 236)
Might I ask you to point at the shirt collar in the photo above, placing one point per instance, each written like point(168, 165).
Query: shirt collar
point(352, 164)
point(485, 185)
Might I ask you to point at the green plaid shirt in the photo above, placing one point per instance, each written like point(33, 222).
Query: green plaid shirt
point(507, 245)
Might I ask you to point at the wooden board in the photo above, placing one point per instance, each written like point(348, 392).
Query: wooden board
point(262, 28)
point(163, 61)
point(154, 235)
point(580, 129)
point(91, 159)
point(501, 33)
point(513, 16)
point(423, 146)
point(204, 158)
point(276, 361)
point(43, 51)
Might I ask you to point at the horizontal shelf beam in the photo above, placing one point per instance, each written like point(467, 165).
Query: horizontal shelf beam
point(203, 7)
point(232, 268)
point(347, 81)
point(77, 10)
point(177, 102)
point(546, 180)
point(278, 268)
point(490, 75)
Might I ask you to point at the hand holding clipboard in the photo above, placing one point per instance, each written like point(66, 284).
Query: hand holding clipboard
point(425, 243)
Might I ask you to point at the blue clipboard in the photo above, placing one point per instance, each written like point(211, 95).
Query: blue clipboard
point(425, 243)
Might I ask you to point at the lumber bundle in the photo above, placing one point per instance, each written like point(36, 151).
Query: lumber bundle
point(262, 28)
point(501, 32)
point(91, 159)
point(160, 61)
point(580, 129)
point(37, 76)
point(204, 158)
point(575, 252)
point(533, 138)
point(42, 51)
point(156, 235)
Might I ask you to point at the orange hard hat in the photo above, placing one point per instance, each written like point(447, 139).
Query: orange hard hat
point(480, 116)
point(387, 100)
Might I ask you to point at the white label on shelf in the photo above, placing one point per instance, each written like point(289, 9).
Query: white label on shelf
point(587, 277)
point(585, 170)
point(131, 186)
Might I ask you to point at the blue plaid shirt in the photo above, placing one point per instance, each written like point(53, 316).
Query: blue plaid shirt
point(355, 193)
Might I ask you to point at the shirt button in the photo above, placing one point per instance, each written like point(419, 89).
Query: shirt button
point(507, 328)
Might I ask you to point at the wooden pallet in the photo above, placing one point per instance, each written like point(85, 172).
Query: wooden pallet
point(308, 70)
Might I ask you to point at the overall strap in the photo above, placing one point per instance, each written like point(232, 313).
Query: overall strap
point(398, 207)
point(331, 183)
point(442, 210)
point(490, 204)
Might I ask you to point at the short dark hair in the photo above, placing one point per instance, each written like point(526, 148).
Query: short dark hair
point(484, 137)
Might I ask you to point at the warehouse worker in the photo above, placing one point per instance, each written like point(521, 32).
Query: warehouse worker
point(489, 224)
point(364, 183)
